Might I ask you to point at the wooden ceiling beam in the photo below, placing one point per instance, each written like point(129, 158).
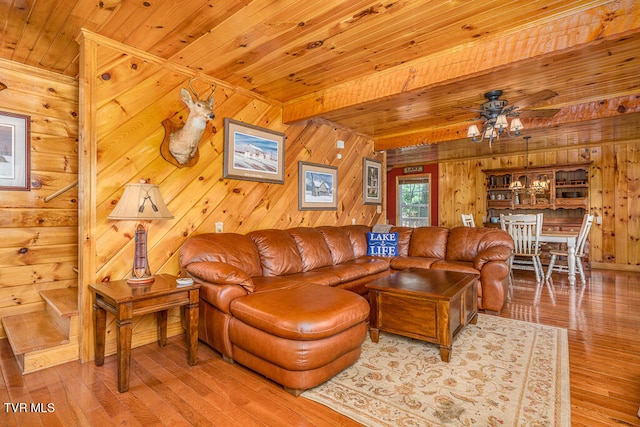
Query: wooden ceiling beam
point(571, 114)
point(579, 31)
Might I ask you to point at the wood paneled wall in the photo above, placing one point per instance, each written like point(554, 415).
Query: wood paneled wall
point(39, 238)
point(614, 192)
point(126, 95)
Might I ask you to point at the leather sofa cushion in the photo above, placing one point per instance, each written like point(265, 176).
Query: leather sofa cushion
point(231, 248)
point(358, 236)
point(403, 263)
point(429, 242)
point(460, 266)
point(371, 265)
point(294, 355)
point(465, 242)
point(304, 312)
point(321, 276)
point(339, 244)
point(220, 273)
point(404, 238)
point(312, 247)
point(270, 283)
point(346, 272)
point(278, 252)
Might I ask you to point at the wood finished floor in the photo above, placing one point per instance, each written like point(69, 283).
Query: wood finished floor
point(602, 318)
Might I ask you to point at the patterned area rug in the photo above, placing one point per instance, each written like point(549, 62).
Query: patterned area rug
point(502, 372)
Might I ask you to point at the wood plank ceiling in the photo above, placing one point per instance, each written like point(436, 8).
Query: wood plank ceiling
point(396, 71)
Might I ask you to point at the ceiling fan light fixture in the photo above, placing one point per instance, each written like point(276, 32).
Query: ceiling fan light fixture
point(490, 132)
point(501, 122)
point(516, 125)
point(472, 132)
point(500, 118)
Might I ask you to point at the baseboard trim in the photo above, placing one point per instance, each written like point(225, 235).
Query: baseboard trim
point(619, 267)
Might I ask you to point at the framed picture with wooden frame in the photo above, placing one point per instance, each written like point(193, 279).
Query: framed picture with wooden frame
point(253, 153)
point(15, 151)
point(371, 182)
point(317, 187)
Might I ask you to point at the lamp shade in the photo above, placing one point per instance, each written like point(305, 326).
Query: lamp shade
point(141, 202)
point(516, 125)
point(515, 186)
point(501, 122)
point(473, 131)
point(490, 132)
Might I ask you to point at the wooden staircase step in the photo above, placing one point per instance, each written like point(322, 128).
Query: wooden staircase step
point(33, 331)
point(63, 301)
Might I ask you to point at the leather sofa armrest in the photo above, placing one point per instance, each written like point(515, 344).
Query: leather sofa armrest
point(221, 296)
point(494, 253)
point(220, 273)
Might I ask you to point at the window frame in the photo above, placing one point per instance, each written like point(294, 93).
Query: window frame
point(404, 179)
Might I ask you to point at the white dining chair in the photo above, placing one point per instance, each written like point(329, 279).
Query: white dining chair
point(467, 220)
point(525, 231)
point(583, 234)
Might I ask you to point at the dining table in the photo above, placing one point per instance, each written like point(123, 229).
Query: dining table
point(569, 238)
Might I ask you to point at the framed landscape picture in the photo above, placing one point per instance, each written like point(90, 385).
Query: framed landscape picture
point(253, 153)
point(15, 152)
point(317, 187)
point(371, 182)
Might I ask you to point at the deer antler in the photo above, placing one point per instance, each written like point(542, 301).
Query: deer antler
point(213, 89)
point(193, 91)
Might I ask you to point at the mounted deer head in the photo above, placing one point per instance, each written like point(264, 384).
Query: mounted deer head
point(183, 143)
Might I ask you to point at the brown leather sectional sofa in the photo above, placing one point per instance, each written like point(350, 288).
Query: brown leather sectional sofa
point(288, 303)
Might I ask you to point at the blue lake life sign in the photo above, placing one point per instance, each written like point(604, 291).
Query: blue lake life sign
point(382, 244)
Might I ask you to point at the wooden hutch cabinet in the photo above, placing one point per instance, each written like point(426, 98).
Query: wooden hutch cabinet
point(563, 197)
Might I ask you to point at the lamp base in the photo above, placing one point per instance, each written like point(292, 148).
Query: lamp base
point(140, 280)
point(140, 273)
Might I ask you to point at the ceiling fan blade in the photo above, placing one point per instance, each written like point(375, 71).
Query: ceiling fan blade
point(539, 114)
point(533, 99)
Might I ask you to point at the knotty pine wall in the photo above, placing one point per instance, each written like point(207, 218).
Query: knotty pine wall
point(39, 238)
point(126, 95)
point(614, 195)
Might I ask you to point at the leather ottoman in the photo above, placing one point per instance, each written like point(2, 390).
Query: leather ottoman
point(299, 336)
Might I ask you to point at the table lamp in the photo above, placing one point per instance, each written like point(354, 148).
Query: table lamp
point(140, 202)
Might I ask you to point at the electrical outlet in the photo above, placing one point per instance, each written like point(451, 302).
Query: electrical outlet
point(353, 221)
point(219, 227)
point(379, 208)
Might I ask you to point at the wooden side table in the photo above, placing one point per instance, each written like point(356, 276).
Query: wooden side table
point(125, 301)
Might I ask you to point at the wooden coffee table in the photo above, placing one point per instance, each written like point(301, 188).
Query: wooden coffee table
point(429, 305)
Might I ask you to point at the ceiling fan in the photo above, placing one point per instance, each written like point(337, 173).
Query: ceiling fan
point(494, 113)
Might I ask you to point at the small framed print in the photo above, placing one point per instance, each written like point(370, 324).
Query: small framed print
point(15, 152)
point(317, 187)
point(371, 182)
point(253, 153)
